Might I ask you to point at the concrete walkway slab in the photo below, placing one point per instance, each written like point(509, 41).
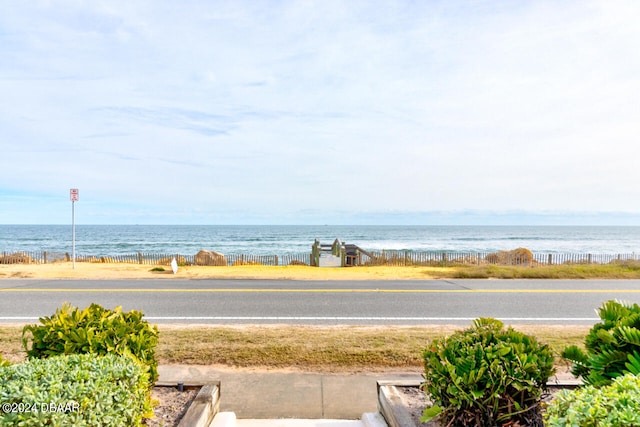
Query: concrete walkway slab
point(348, 396)
point(274, 396)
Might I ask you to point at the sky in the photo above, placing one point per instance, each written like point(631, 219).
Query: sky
point(320, 112)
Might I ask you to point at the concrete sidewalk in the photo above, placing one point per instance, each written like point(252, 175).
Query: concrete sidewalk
point(281, 394)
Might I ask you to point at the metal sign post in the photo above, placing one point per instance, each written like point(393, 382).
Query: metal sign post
point(74, 199)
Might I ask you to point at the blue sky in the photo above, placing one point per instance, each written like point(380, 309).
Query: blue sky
point(270, 112)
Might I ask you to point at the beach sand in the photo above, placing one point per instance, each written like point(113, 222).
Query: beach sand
point(86, 270)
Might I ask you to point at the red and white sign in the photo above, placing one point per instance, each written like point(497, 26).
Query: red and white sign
point(74, 194)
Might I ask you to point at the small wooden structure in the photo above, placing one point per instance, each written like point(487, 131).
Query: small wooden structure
point(337, 254)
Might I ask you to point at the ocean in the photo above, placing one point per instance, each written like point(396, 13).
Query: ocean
point(105, 240)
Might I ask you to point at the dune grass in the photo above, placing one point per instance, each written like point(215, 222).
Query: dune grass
point(622, 270)
point(308, 348)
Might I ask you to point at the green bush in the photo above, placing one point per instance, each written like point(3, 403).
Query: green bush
point(612, 346)
point(93, 330)
point(487, 376)
point(614, 405)
point(75, 390)
point(3, 362)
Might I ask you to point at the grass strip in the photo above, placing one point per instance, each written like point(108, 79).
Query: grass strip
point(309, 348)
point(622, 270)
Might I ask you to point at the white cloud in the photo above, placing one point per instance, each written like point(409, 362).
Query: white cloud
point(271, 109)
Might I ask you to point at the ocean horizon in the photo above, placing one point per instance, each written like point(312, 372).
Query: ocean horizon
point(105, 240)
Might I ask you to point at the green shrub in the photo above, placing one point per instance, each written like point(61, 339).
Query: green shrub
point(75, 390)
point(614, 405)
point(3, 362)
point(612, 346)
point(93, 330)
point(487, 376)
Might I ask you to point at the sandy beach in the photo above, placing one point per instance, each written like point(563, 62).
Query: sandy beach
point(85, 270)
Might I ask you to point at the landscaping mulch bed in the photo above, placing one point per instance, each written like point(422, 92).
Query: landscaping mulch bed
point(171, 407)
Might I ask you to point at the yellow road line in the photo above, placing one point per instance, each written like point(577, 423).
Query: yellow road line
point(417, 291)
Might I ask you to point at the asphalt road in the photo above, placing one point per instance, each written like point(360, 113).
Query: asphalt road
point(403, 302)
